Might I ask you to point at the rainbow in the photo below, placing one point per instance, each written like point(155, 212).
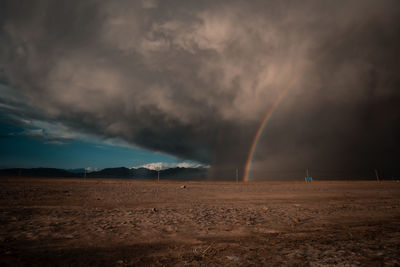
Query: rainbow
point(247, 167)
point(268, 115)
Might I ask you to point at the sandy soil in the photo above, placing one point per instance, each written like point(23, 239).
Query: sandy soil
point(128, 223)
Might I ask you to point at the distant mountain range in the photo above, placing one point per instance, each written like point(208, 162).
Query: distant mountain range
point(178, 173)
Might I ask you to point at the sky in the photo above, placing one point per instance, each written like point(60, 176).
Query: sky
point(125, 83)
point(32, 146)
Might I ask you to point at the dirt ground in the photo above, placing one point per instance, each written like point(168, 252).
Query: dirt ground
point(71, 222)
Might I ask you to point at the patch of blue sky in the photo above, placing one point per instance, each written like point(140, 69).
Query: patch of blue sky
point(25, 148)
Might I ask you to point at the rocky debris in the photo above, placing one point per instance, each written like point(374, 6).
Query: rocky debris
point(214, 225)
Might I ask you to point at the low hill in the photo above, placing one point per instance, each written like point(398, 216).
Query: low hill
point(38, 172)
point(120, 172)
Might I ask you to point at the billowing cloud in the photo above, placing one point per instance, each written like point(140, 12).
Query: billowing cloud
point(195, 79)
point(91, 169)
point(164, 165)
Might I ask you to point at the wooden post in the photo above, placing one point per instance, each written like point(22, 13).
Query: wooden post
point(158, 176)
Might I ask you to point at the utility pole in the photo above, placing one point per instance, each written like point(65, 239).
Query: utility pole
point(237, 175)
point(376, 174)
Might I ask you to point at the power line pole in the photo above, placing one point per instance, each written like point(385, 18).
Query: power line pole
point(237, 175)
point(376, 174)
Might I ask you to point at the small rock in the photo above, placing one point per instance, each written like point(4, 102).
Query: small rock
point(169, 228)
point(296, 220)
point(232, 258)
point(155, 209)
point(183, 186)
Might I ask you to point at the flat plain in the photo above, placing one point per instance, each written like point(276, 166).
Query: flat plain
point(105, 222)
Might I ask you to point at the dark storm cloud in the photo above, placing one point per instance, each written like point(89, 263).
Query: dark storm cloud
point(195, 79)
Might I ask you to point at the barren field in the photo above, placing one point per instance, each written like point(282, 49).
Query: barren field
point(71, 222)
